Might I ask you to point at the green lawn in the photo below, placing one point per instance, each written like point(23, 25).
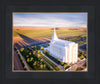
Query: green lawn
point(47, 33)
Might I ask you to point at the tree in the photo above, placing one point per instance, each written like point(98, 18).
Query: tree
point(20, 58)
point(28, 59)
point(64, 66)
point(41, 66)
point(44, 66)
point(41, 60)
point(44, 51)
point(31, 59)
point(34, 52)
point(27, 56)
point(62, 63)
point(49, 54)
point(22, 49)
point(34, 64)
point(56, 68)
point(25, 67)
point(38, 55)
point(79, 69)
point(37, 51)
point(30, 53)
point(81, 57)
point(41, 48)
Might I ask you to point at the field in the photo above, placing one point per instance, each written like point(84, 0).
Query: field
point(43, 32)
point(28, 37)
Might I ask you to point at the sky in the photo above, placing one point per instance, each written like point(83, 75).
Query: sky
point(50, 19)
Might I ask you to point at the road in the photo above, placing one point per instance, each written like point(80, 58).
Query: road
point(17, 63)
point(79, 47)
point(23, 60)
point(78, 64)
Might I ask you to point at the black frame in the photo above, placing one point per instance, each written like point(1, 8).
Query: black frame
point(72, 77)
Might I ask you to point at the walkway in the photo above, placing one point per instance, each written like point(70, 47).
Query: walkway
point(53, 61)
point(78, 64)
point(23, 61)
point(47, 63)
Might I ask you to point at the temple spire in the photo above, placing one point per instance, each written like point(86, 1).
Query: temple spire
point(54, 37)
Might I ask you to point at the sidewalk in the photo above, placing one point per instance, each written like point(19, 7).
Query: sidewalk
point(53, 61)
point(24, 61)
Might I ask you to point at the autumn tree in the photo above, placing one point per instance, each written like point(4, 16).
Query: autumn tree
point(62, 63)
point(41, 66)
point(28, 59)
point(22, 49)
point(41, 48)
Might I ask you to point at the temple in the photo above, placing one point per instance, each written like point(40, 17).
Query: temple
point(66, 51)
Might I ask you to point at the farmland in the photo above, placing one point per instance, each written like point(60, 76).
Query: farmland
point(25, 38)
point(29, 36)
point(40, 33)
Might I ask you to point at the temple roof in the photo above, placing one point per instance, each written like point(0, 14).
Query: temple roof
point(55, 40)
point(54, 37)
point(62, 43)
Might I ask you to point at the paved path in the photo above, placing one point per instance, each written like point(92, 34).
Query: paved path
point(53, 61)
point(47, 63)
point(24, 61)
point(17, 63)
point(78, 64)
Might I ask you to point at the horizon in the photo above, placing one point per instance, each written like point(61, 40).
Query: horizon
point(40, 20)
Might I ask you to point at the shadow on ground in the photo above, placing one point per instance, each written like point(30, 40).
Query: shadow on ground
point(27, 42)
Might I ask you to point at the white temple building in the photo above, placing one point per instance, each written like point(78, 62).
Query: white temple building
point(66, 51)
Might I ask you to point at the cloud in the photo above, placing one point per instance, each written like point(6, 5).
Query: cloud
point(50, 20)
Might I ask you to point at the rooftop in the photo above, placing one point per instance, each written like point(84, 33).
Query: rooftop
point(62, 43)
